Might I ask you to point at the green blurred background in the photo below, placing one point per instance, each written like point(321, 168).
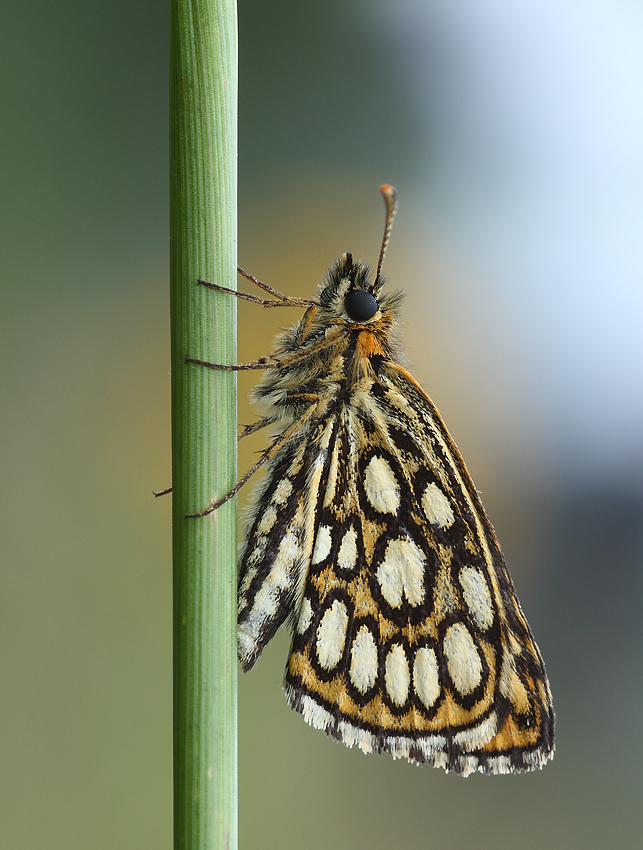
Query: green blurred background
point(513, 133)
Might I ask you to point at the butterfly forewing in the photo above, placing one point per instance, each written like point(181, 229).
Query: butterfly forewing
point(280, 538)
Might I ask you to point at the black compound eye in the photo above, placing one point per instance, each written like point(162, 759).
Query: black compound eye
point(360, 305)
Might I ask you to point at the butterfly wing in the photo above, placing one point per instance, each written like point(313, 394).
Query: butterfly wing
point(409, 637)
point(280, 537)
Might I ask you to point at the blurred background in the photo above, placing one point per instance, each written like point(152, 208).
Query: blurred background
point(513, 132)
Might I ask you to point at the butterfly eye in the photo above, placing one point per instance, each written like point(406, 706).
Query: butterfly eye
point(360, 305)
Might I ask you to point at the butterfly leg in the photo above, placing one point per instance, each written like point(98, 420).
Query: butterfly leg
point(269, 361)
point(278, 299)
point(260, 363)
point(265, 457)
point(283, 299)
point(306, 324)
point(256, 426)
point(247, 429)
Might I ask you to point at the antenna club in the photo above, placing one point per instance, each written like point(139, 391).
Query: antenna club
point(390, 197)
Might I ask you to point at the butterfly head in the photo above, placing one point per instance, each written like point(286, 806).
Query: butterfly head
point(348, 292)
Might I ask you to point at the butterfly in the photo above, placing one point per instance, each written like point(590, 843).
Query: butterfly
point(368, 538)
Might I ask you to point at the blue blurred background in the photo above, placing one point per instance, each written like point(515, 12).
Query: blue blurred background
point(513, 132)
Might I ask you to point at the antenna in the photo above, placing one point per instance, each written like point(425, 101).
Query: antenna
point(390, 198)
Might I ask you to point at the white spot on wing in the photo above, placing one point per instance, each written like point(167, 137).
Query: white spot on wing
point(331, 635)
point(282, 491)
point(402, 571)
point(267, 520)
point(463, 661)
point(397, 676)
point(363, 671)
point(247, 580)
point(287, 554)
point(305, 616)
point(436, 507)
point(246, 644)
point(264, 605)
point(347, 555)
point(322, 544)
point(511, 686)
point(476, 596)
point(426, 677)
point(478, 736)
point(333, 468)
point(381, 487)
point(266, 602)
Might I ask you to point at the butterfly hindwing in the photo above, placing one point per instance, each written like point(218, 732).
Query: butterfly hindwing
point(403, 642)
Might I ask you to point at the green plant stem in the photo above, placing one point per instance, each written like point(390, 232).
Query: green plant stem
point(203, 183)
